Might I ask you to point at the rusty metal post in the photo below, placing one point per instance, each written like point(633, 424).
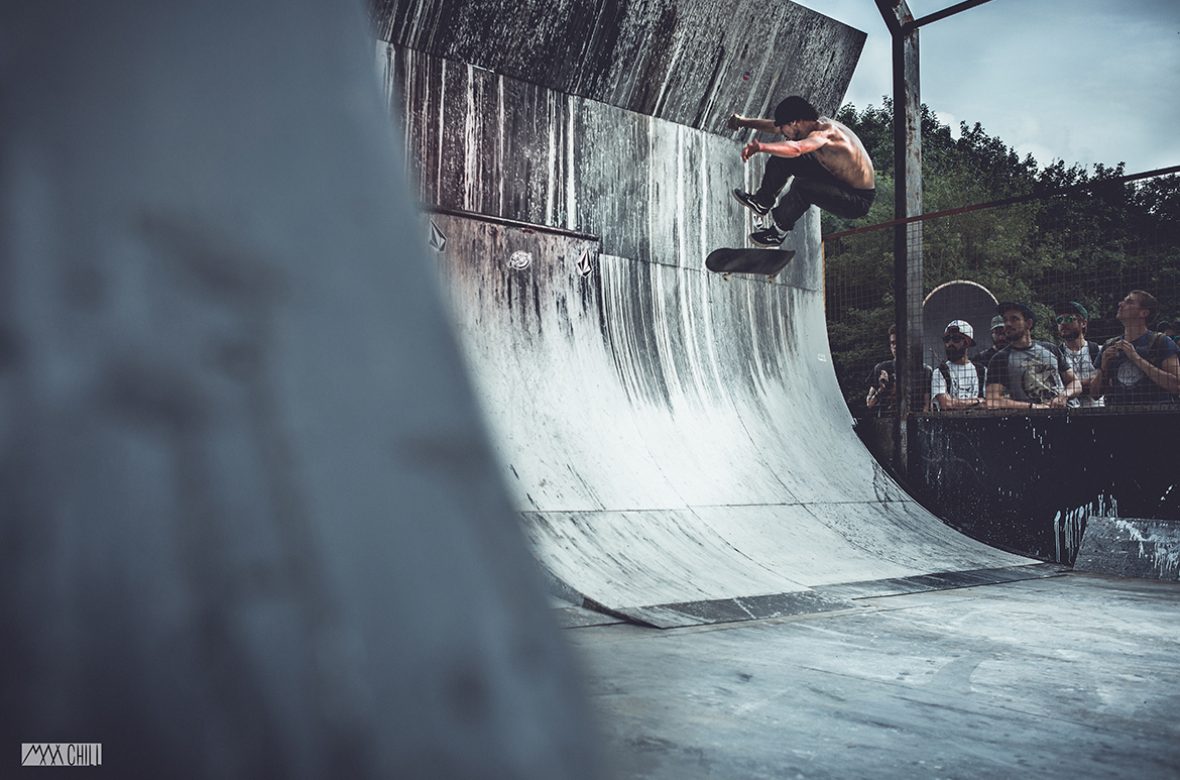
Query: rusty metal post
point(907, 239)
point(908, 267)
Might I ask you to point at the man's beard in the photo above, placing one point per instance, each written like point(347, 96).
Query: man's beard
point(1069, 334)
point(954, 353)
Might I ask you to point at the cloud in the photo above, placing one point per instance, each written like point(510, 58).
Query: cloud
point(1091, 85)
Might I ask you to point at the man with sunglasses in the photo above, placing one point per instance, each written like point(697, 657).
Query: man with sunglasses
point(1028, 374)
point(1072, 323)
point(957, 384)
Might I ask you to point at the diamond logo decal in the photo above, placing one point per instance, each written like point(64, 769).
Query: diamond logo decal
point(438, 242)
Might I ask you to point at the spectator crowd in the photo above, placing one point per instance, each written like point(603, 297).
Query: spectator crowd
point(1135, 370)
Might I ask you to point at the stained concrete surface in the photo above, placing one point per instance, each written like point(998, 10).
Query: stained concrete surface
point(1073, 676)
point(676, 443)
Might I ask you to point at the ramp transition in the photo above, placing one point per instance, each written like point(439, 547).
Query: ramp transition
point(676, 442)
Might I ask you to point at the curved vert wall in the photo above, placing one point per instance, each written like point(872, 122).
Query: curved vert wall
point(676, 443)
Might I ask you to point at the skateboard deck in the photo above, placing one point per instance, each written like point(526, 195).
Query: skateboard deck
point(759, 262)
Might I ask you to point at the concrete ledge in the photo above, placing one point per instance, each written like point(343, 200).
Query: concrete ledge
point(1131, 547)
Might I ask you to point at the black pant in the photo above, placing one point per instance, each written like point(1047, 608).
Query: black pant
point(813, 185)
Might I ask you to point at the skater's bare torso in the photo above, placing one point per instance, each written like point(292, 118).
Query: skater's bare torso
point(835, 147)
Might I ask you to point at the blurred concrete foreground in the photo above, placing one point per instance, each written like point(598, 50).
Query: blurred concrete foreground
point(251, 526)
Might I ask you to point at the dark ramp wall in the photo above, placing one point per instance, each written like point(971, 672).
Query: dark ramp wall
point(1028, 484)
point(654, 191)
point(537, 112)
point(688, 61)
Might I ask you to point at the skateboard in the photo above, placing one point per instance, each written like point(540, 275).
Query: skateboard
point(757, 262)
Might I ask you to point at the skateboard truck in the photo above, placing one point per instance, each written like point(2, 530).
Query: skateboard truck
point(769, 277)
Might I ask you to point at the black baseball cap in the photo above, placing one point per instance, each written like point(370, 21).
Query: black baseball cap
point(1022, 308)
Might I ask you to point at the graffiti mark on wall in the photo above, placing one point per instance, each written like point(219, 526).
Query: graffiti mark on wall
point(520, 260)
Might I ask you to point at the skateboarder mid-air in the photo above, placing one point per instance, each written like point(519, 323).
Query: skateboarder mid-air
point(832, 170)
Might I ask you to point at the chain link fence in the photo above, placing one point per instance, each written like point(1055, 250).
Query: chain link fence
point(1089, 278)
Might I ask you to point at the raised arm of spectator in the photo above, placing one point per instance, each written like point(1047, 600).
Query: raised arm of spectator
point(996, 395)
point(943, 400)
point(1171, 367)
point(997, 398)
point(1086, 384)
point(1105, 358)
point(946, 403)
point(1166, 376)
point(879, 389)
point(1073, 389)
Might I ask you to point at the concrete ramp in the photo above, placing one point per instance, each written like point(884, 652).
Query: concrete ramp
point(676, 441)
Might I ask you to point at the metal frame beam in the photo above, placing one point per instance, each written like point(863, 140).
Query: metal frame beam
point(944, 13)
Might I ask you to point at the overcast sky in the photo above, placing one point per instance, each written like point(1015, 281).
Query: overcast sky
point(1085, 81)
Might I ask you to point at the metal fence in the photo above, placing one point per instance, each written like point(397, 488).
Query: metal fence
point(1066, 262)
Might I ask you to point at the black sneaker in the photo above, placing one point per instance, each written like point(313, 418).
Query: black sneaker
point(771, 236)
point(747, 200)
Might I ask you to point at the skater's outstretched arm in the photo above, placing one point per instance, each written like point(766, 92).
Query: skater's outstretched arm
point(786, 148)
point(737, 122)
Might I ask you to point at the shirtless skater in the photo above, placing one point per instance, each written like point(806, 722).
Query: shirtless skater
point(832, 170)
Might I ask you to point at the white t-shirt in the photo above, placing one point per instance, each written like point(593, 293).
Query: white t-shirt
point(1084, 368)
point(964, 381)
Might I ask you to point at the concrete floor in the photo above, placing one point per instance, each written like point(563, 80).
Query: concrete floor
point(1073, 676)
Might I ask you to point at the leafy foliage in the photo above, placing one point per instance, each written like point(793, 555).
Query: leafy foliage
point(1092, 245)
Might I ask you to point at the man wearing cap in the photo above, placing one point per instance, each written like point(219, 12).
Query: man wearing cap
point(958, 383)
point(1072, 323)
point(1028, 374)
point(1142, 366)
point(832, 170)
point(999, 341)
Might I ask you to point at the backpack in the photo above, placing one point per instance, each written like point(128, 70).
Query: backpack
point(946, 375)
point(1094, 350)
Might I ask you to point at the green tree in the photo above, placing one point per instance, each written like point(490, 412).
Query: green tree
point(1091, 245)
